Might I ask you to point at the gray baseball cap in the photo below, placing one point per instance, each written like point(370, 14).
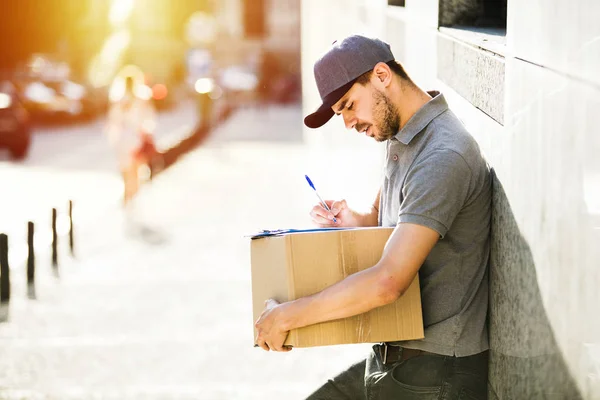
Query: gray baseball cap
point(340, 67)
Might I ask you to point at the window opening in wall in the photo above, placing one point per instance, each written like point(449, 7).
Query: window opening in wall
point(473, 13)
point(399, 3)
point(479, 22)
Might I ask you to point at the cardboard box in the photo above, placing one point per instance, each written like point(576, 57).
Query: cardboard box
point(293, 265)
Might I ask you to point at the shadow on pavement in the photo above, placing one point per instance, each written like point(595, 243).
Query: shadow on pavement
point(3, 312)
point(146, 234)
point(196, 138)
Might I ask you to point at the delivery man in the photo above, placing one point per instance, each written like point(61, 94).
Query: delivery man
point(436, 192)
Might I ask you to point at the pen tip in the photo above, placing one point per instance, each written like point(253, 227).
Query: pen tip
point(309, 181)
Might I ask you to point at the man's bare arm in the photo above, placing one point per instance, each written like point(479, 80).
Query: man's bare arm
point(379, 285)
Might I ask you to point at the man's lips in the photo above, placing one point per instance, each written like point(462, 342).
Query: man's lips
point(364, 129)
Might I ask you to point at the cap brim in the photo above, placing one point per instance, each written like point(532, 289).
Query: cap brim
point(325, 112)
point(319, 117)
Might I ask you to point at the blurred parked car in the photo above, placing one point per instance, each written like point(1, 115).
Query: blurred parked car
point(60, 99)
point(50, 91)
point(15, 132)
point(84, 102)
point(238, 84)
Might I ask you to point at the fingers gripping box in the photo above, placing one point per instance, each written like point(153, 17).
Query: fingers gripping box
point(287, 265)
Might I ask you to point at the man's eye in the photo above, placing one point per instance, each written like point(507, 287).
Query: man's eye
point(350, 106)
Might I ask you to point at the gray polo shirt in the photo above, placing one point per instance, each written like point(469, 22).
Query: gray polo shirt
point(436, 176)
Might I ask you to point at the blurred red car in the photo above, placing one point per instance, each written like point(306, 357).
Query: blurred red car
point(15, 131)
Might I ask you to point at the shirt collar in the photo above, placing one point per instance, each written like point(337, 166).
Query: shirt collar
point(422, 117)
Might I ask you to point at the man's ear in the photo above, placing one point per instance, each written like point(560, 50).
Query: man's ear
point(382, 74)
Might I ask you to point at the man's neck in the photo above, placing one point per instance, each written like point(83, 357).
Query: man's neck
point(410, 100)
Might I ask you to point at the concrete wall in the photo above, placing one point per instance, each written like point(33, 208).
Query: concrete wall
point(530, 98)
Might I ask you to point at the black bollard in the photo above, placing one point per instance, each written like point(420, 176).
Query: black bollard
point(4, 270)
point(71, 245)
point(54, 240)
point(30, 259)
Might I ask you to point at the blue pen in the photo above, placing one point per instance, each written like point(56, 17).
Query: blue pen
point(322, 202)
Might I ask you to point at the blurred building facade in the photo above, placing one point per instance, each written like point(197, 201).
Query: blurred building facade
point(29, 26)
point(268, 24)
point(97, 37)
point(528, 92)
point(150, 35)
point(264, 34)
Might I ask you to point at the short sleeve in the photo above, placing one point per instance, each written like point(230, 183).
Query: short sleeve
point(435, 190)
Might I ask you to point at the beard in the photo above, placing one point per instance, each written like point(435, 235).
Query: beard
point(386, 117)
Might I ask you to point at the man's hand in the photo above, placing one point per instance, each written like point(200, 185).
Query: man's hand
point(339, 209)
point(271, 335)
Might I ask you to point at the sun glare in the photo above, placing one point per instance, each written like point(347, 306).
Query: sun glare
point(120, 10)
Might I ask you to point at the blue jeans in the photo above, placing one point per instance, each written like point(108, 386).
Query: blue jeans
point(422, 377)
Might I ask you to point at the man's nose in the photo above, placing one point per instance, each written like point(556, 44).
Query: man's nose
point(349, 122)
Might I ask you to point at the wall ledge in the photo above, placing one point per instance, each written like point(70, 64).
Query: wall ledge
point(475, 74)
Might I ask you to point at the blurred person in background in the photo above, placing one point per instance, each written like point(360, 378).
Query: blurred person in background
point(130, 127)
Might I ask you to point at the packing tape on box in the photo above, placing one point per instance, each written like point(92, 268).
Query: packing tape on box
point(363, 327)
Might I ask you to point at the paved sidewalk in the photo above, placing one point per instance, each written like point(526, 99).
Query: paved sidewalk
point(163, 311)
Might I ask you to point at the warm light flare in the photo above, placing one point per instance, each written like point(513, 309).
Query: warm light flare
point(143, 92)
point(120, 10)
point(5, 100)
point(159, 91)
point(204, 85)
point(107, 63)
